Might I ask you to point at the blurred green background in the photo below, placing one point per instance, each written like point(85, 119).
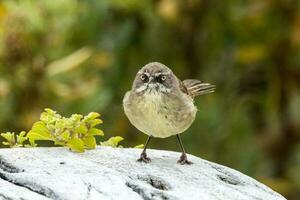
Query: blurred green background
point(81, 56)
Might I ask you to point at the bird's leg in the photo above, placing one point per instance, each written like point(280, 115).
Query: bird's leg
point(183, 158)
point(143, 157)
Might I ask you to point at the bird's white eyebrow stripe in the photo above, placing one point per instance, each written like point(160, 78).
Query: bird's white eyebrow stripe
point(162, 73)
point(156, 74)
point(139, 73)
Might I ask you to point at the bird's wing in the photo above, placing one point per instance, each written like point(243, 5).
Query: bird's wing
point(183, 87)
point(195, 87)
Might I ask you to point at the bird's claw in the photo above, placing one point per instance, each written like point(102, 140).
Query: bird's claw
point(183, 160)
point(144, 158)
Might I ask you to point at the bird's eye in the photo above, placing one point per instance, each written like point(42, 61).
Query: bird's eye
point(144, 77)
point(163, 78)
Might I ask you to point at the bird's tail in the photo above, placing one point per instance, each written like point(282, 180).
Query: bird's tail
point(196, 87)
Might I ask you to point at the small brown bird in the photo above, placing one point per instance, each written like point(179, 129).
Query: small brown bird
point(160, 105)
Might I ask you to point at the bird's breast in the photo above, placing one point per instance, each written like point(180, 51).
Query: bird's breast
point(160, 115)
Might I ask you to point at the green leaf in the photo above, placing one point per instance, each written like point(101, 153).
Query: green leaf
point(6, 143)
point(76, 144)
point(40, 127)
point(95, 122)
point(50, 111)
point(65, 135)
point(49, 116)
point(90, 142)
point(32, 142)
point(60, 124)
point(76, 117)
point(22, 134)
point(10, 137)
point(140, 146)
point(21, 138)
point(113, 141)
point(56, 142)
point(95, 131)
point(32, 135)
point(92, 115)
point(81, 129)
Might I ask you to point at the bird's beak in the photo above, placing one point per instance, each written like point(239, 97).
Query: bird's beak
point(151, 80)
point(152, 84)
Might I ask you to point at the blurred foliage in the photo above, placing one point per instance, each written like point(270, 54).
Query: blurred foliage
point(78, 56)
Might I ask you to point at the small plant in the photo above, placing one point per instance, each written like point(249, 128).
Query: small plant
point(14, 140)
point(76, 132)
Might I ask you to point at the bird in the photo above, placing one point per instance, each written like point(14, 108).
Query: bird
point(161, 105)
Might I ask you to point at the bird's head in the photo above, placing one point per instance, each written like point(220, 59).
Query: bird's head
point(154, 78)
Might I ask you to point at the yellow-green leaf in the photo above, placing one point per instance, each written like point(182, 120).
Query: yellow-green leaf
point(10, 137)
point(95, 122)
point(76, 144)
point(32, 142)
point(95, 131)
point(93, 115)
point(22, 134)
point(113, 141)
point(6, 143)
point(65, 135)
point(40, 127)
point(21, 138)
point(81, 129)
point(140, 146)
point(90, 142)
point(50, 111)
point(32, 135)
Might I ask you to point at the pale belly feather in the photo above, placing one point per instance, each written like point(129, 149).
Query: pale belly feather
point(160, 116)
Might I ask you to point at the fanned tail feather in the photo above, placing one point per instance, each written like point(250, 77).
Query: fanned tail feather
point(196, 87)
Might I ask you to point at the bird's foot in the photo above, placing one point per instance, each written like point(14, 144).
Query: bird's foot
point(183, 160)
point(144, 158)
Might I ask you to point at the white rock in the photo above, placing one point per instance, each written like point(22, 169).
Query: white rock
point(113, 173)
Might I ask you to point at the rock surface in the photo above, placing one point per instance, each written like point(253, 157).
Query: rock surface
point(113, 173)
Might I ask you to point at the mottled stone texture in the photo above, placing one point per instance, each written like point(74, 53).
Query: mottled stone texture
point(113, 173)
